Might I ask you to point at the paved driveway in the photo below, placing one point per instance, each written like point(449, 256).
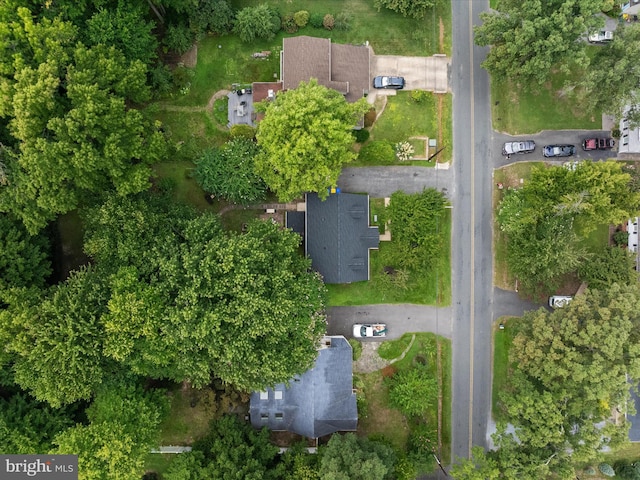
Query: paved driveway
point(551, 137)
point(400, 319)
point(420, 73)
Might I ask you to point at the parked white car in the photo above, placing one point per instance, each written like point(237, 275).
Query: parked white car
point(368, 331)
point(601, 36)
point(559, 301)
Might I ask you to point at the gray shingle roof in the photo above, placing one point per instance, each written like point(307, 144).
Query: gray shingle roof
point(338, 236)
point(317, 403)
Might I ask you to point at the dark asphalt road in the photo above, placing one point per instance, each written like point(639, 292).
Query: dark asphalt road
point(400, 319)
point(472, 235)
point(380, 182)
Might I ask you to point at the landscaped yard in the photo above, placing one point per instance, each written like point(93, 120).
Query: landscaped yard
point(510, 176)
point(424, 287)
point(431, 117)
point(519, 109)
point(387, 32)
point(382, 419)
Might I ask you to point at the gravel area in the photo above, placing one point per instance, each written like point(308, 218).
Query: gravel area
point(369, 361)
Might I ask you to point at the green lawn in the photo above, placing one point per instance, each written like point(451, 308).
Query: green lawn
point(158, 462)
point(502, 340)
point(387, 32)
point(431, 118)
point(223, 61)
point(380, 418)
point(597, 239)
point(520, 109)
point(429, 288)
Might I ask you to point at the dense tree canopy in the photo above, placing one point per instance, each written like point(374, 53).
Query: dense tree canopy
point(194, 301)
point(530, 39)
point(24, 259)
point(608, 266)
point(55, 338)
point(229, 172)
point(305, 139)
point(348, 457)
point(613, 67)
point(571, 369)
point(543, 218)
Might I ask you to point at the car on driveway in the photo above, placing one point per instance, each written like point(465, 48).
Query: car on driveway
point(511, 148)
point(601, 36)
point(559, 150)
point(598, 143)
point(559, 301)
point(369, 331)
point(396, 83)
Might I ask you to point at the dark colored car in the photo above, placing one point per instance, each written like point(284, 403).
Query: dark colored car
point(598, 143)
point(559, 150)
point(396, 83)
point(511, 148)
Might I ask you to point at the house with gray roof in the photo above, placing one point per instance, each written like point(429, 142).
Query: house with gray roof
point(337, 235)
point(319, 402)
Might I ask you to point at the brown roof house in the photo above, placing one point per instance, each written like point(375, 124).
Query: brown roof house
point(344, 68)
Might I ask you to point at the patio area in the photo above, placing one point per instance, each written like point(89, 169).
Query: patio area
point(240, 107)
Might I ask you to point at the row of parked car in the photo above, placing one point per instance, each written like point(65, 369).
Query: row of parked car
point(561, 150)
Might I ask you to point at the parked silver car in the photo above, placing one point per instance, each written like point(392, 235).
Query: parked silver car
point(511, 148)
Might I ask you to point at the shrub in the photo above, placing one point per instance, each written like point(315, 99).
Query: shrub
point(328, 21)
point(178, 38)
point(627, 471)
point(289, 25)
point(379, 152)
point(215, 16)
point(361, 135)
point(242, 131)
point(276, 22)
point(182, 77)
point(316, 20)
point(343, 21)
point(161, 80)
point(606, 470)
point(621, 238)
point(229, 172)
point(356, 347)
point(412, 391)
point(255, 22)
point(301, 18)
point(423, 442)
point(419, 96)
point(404, 151)
point(404, 469)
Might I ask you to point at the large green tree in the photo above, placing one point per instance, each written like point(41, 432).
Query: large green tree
point(73, 129)
point(195, 301)
point(544, 218)
point(348, 457)
point(54, 338)
point(24, 259)
point(530, 39)
point(609, 84)
point(305, 139)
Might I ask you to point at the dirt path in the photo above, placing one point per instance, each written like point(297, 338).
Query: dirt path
point(441, 39)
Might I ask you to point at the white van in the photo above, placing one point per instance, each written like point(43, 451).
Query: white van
point(559, 301)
